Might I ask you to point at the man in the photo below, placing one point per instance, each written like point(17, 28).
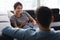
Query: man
point(44, 18)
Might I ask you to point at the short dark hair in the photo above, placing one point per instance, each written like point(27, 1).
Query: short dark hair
point(16, 4)
point(44, 16)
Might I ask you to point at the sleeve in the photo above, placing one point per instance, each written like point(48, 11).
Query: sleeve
point(14, 32)
point(27, 13)
point(12, 19)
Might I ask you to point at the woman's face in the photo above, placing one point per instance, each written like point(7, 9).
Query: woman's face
point(18, 9)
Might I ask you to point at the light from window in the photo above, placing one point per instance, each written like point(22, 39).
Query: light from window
point(6, 5)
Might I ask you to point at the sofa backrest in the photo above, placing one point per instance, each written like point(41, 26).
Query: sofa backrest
point(31, 12)
point(56, 14)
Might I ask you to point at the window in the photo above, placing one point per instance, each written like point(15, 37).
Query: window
point(50, 3)
point(29, 4)
point(6, 5)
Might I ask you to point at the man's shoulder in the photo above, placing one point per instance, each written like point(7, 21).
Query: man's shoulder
point(30, 30)
point(57, 35)
point(57, 32)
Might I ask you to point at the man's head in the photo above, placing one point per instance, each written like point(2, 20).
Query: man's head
point(44, 16)
point(18, 7)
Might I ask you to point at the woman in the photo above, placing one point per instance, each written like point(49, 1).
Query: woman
point(21, 18)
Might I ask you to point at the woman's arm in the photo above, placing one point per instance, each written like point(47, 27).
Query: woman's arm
point(32, 20)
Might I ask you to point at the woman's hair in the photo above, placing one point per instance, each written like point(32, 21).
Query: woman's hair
point(17, 4)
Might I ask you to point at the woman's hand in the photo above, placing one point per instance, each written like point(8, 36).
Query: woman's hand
point(24, 23)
